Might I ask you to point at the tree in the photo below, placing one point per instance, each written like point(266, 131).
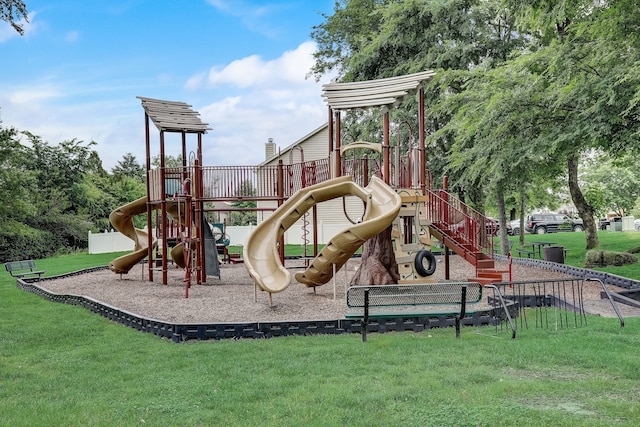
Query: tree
point(169, 161)
point(395, 38)
point(17, 182)
point(584, 83)
point(129, 167)
point(12, 11)
point(245, 215)
point(611, 185)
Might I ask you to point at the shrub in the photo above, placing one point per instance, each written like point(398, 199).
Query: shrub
point(597, 258)
point(23, 242)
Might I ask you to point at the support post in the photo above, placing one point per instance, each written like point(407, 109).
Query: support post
point(386, 148)
point(148, 185)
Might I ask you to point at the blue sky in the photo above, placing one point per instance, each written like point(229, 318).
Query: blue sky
point(243, 64)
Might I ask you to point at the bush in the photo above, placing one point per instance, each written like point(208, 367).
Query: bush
point(20, 242)
point(597, 258)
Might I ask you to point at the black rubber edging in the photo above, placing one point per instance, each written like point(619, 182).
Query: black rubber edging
point(180, 332)
point(583, 273)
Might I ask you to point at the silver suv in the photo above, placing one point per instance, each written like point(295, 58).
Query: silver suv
point(551, 223)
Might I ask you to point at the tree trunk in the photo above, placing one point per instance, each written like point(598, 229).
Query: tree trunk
point(378, 265)
point(502, 219)
point(522, 217)
point(584, 209)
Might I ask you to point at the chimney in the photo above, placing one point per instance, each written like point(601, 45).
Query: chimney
point(269, 149)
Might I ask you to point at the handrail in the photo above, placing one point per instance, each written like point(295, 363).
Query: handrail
point(504, 306)
point(606, 291)
point(459, 220)
point(243, 183)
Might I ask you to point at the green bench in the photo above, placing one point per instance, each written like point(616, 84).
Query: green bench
point(23, 269)
point(416, 300)
point(529, 254)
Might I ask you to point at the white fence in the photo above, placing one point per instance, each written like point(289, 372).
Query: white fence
point(114, 241)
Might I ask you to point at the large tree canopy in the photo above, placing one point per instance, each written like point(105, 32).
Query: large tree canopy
point(524, 89)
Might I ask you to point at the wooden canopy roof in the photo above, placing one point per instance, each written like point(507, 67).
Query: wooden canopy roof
point(172, 116)
point(387, 92)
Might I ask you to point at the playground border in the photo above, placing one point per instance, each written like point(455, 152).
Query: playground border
point(584, 273)
point(180, 332)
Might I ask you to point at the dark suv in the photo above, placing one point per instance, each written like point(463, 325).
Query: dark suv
point(551, 223)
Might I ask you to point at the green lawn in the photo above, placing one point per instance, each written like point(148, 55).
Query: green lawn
point(62, 365)
point(576, 245)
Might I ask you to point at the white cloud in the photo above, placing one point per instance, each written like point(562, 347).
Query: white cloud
point(72, 36)
point(242, 73)
point(33, 94)
point(7, 32)
point(292, 67)
point(271, 99)
point(278, 102)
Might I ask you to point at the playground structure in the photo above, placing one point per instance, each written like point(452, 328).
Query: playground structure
point(395, 194)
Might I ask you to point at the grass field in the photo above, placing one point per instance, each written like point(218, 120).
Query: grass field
point(62, 365)
point(576, 245)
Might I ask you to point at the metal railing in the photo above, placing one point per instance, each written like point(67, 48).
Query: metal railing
point(555, 304)
point(237, 183)
point(610, 298)
point(459, 221)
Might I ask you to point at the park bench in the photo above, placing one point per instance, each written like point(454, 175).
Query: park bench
point(529, 254)
point(415, 300)
point(23, 269)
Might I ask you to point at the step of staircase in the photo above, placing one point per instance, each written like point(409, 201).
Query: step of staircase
point(485, 264)
point(494, 276)
point(493, 270)
point(483, 280)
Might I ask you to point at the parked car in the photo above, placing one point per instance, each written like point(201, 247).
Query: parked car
point(551, 223)
point(606, 222)
point(513, 227)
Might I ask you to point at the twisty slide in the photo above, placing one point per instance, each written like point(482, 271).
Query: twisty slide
point(261, 256)
point(122, 220)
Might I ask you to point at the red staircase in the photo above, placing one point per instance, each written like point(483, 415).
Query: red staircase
point(465, 231)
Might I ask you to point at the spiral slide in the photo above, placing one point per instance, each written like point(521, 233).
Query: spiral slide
point(261, 256)
point(122, 220)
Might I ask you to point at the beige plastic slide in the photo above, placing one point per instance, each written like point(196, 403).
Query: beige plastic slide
point(122, 220)
point(261, 256)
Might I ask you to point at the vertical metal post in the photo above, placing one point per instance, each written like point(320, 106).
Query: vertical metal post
point(385, 148)
point(421, 148)
point(337, 146)
point(365, 321)
point(163, 210)
point(280, 202)
point(463, 309)
point(447, 270)
point(331, 139)
point(314, 211)
point(149, 216)
point(197, 206)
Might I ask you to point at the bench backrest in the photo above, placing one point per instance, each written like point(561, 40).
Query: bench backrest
point(419, 294)
point(28, 264)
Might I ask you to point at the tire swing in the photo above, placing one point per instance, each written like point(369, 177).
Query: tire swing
point(420, 258)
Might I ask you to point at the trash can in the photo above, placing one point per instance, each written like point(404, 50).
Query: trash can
point(554, 254)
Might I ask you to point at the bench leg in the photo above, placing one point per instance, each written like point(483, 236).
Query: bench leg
point(463, 309)
point(365, 321)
